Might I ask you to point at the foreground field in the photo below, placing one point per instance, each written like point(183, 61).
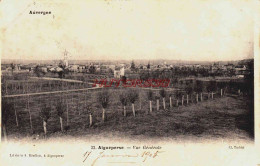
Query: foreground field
point(221, 118)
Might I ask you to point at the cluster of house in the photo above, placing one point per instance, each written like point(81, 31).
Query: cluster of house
point(120, 70)
point(238, 70)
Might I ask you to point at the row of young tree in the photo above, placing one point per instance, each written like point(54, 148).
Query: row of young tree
point(103, 98)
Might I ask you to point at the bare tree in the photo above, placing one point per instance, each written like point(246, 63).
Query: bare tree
point(170, 98)
point(45, 114)
point(177, 96)
point(163, 95)
point(37, 71)
point(103, 98)
point(123, 99)
point(212, 87)
point(60, 108)
point(89, 110)
point(150, 98)
point(182, 98)
point(133, 96)
point(12, 68)
point(221, 86)
point(189, 90)
point(157, 97)
point(198, 89)
point(6, 113)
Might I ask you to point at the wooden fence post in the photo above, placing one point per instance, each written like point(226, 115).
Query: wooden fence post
point(133, 107)
point(28, 106)
point(90, 120)
point(170, 102)
point(157, 104)
point(164, 106)
point(124, 111)
point(151, 108)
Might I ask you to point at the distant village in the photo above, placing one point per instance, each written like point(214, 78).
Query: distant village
point(117, 70)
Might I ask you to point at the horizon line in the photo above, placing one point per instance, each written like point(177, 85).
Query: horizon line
point(128, 60)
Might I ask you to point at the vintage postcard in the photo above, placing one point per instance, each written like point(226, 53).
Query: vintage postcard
point(129, 82)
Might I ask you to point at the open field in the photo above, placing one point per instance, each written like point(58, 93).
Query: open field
point(35, 85)
point(230, 117)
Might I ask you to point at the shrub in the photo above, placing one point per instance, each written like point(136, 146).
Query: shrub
point(103, 98)
point(163, 93)
point(45, 113)
point(150, 95)
point(133, 96)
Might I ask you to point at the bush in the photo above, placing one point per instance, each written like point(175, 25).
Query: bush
point(103, 99)
point(199, 86)
point(133, 96)
point(163, 93)
point(60, 108)
point(212, 86)
point(123, 99)
point(45, 113)
point(150, 95)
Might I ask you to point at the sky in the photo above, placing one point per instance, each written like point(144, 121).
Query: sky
point(128, 29)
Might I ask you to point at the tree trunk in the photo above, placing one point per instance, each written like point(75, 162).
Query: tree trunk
point(201, 97)
point(124, 111)
point(177, 103)
point(182, 100)
point(212, 95)
point(61, 124)
point(133, 107)
point(187, 99)
point(221, 92)
point(170, 102)
point(140, 102)
point(90, 120)
point(6, 86)
point(151, 108)
point(197, 97)
point(5, 133)
point(30, 118)
point(208, 95)
point(103, 115)
point(16, 118)
point(238, 91)
point(158, 105)
point(164, 106)
point(45, 127)
point(67, 114)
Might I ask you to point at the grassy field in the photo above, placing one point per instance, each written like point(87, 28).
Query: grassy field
point(228, 118)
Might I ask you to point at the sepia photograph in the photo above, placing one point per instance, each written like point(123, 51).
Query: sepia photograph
point(123, 71)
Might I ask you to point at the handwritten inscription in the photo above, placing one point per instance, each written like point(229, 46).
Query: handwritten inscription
point(143, 156)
